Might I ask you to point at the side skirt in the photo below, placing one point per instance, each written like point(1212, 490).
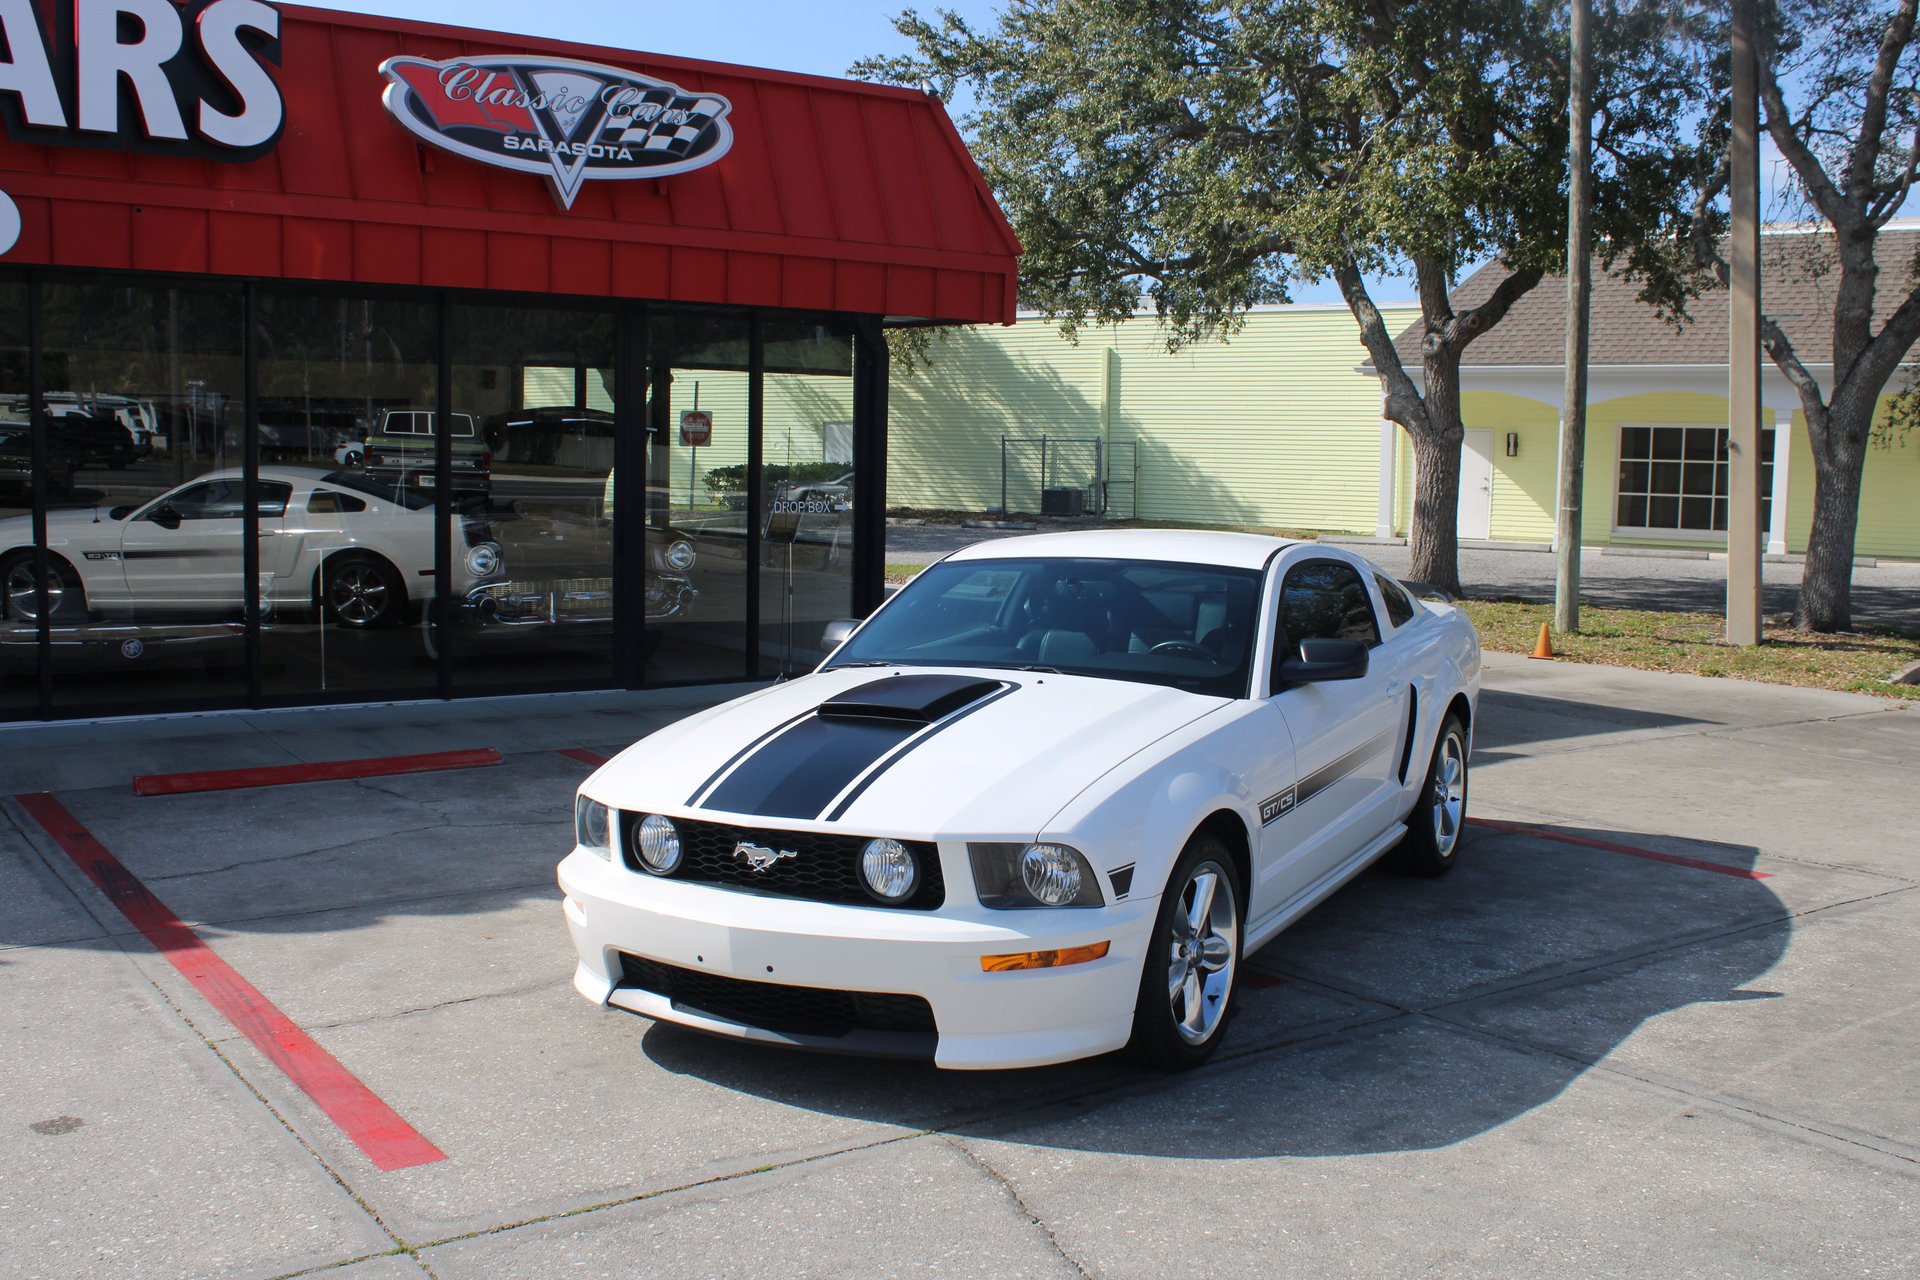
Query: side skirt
point(1261, 931)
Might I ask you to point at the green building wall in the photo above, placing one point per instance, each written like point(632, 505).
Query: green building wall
point(1273, 427)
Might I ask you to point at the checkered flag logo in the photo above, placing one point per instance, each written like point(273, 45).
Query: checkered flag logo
point(669, 123)
point(572, 122)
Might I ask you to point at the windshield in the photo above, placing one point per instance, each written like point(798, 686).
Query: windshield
point(1190, 626)
point(361, 483)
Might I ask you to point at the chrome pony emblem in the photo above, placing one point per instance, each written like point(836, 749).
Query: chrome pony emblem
point(758, 857)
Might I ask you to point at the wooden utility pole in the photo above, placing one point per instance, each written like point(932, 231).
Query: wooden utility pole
point(1573, 412)
point(1743, 358)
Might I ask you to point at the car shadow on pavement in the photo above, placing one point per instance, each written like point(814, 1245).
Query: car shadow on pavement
point(1511, 718)
point(1399, 1015)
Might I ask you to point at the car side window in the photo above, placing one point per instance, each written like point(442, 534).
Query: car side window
point(327, 502)
point(1325, 600)
point(210, 500)
point(1399, 607)
point(274, 498)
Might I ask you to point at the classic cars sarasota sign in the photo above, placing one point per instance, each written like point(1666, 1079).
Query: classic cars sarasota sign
point(567, 121)
point(147, 75)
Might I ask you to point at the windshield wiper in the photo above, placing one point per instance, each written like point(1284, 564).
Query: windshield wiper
point(869, 662)
point(1050, 671)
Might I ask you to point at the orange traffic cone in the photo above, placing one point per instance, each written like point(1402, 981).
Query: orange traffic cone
point(1543, 647)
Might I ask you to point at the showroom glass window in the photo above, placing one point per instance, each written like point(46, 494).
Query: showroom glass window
point(347, 390)
point(19, 628)
point(697, 494)
point(144, 402)
point(533, 401)
point(806, 567)
point(1674, 479)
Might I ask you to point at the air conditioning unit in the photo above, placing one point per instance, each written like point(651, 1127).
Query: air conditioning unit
point(1063, 502)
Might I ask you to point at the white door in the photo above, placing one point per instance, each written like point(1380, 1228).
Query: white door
point(1476, 485)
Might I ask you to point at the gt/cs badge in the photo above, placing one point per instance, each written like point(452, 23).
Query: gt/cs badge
point(1274, 808)
point(758, 857)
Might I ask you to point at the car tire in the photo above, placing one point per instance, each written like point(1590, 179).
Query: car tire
point(361, 592)
point(1438, 821)
point(1192, 967)
point(67, 596)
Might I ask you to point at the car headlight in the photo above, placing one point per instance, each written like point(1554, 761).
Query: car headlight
point(483, 559)
point(1012, 877)
point(890, 870)
point(593, 826)
point(680, 556)
point(656, 843)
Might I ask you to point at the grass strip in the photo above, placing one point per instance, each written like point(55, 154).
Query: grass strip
point(1695, 643)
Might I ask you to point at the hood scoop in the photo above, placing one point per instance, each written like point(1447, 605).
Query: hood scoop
point(913, 699)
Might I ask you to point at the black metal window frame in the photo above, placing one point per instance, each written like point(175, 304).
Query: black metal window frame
point(632, 436)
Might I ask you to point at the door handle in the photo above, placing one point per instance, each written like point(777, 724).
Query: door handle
point(1397, 689)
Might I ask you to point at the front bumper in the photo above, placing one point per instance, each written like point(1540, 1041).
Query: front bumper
point(1022, 1018)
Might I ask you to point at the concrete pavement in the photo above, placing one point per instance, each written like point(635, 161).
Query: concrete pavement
point(1565, 1058)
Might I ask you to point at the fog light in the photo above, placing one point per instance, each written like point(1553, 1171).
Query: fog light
point(891, 871)
point(1045, 959)
point(657, 841)
point(1051, 873)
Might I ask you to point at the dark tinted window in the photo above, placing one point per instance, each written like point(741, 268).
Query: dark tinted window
point(1325, 600)
point(1152, 622)
point(384, 492)
point(1399, 606)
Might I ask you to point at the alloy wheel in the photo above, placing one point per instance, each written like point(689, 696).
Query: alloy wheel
point(1203, 948)
point(1449, 800)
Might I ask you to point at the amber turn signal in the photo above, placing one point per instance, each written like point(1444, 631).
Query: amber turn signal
point(1044, 959)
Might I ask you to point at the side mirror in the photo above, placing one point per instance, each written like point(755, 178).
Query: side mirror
point(837, 632)
point(1324, 660)
point(165, 517)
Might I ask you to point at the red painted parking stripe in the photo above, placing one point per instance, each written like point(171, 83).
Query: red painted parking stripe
point(584, 756)
point(1564, 837)
point(173, 784)
point(373, 1126)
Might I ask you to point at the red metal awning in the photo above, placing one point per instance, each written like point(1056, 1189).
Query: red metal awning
point(835, 195)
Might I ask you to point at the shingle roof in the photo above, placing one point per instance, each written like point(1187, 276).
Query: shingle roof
point(1798, 281)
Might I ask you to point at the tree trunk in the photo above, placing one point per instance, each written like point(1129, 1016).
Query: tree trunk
point(1434, 537)
point(1839, 460)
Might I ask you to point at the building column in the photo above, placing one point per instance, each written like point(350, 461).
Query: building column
point(1782, 453)
point(1383, 525)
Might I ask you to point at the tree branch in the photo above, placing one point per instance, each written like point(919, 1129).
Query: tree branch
point(1403, 402)
point(1780, 127)
point(1865, 157)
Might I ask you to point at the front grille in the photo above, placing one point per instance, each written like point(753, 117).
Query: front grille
point(825, 868)
point(794, 1011)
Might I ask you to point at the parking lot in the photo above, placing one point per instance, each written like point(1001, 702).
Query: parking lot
point(1659, 1022)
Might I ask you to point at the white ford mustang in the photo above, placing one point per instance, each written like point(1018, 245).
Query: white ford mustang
point(1041, 805)
point(360, 551)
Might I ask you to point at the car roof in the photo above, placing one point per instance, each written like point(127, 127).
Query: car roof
point(1183, 546)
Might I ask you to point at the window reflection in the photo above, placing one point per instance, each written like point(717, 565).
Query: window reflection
point(145, 511)
point(533, 390)
point(347, 390)
point(19, 607)
point(697, 571)
point(806, 578)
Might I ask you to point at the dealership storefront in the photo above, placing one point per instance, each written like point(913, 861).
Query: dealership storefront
point(327, 344)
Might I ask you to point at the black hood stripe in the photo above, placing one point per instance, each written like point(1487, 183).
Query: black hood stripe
point(701, 791)
point(800, 768)
point(887, 762)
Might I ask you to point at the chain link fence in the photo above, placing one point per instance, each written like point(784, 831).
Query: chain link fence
point(1066, 476)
